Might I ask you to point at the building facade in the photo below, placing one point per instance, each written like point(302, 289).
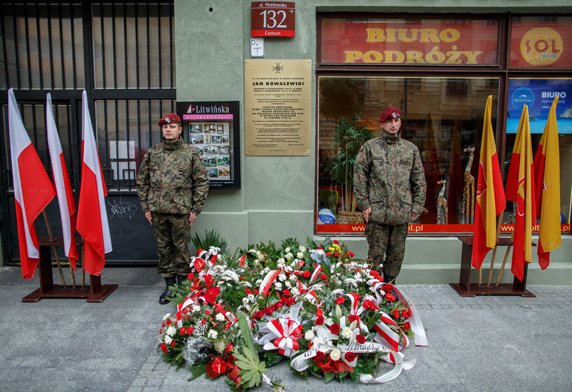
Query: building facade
point(437, 63)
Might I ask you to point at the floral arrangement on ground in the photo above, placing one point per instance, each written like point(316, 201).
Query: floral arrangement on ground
point(317, 306)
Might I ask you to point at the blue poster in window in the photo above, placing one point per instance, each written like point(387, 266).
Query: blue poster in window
point(538, 94)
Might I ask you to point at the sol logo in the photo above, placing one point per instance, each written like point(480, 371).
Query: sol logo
point(541, 46)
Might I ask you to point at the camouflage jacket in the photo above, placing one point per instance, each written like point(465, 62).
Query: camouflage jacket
point(172, 179)
point(389, 178)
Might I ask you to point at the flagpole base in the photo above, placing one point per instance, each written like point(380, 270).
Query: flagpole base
point(467, 289)
point(94, 292)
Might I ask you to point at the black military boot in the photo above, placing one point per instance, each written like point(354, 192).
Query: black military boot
point(170, 281)
point(181, 279)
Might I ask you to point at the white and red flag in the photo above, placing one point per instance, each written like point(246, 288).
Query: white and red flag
point(63, 186)
point(92, 221)
point(547, 183)
point(33, 189)
point(490, 193)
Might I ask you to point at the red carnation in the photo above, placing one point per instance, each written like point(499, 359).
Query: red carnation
point(164, 347)
point(320, 356)
point(323, 276)
point(307, 274)
point(340, 300)
point(407, 325)
point(368, 304)
point(395, 313)
point(353, 317)
point(360, 339)
point(389, 297)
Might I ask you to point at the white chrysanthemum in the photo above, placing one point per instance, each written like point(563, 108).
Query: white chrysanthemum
point(260, 256)
point(278, 286)
point(212, 334)
point(244, 300)
point(335, 354)
point(295, 291)
point(280, 262)
point(167, 316)
point(287, 249)
point(289, 256)
point(282, 277)
point(300, 255)
point(302, 248)
point(219, 317)
point(251, 297)
point(288, 284)
point(195, 308)
point(293, 278)
point(258, 282)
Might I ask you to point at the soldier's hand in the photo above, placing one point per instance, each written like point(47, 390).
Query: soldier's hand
point(414, 216)
point(148, 217)
point(366, 214)
point(192, 217)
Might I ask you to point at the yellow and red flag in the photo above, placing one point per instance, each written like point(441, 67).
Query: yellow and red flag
point(547, 194)
point(520, 189)
point(490, 193)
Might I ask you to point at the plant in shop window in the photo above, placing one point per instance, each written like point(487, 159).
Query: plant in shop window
point(350, 134)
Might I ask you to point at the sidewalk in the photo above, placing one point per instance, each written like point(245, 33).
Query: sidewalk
point(475, 344)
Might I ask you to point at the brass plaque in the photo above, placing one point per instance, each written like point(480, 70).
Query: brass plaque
point(278, 107)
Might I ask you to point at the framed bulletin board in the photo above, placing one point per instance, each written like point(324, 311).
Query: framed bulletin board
point(213, 128)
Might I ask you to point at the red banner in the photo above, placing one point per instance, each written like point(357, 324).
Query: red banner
point(541, 42)
point(424, 228)
point(414, 41)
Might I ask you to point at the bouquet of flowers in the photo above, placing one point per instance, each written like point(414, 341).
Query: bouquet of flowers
point(327, 313)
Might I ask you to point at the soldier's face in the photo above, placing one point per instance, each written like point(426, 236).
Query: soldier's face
point(171, 131)
point(391, 126)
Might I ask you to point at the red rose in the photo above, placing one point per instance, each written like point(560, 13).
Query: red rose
point(340, 300)
point(323, 276)
point(336, 254)
point(368, 304)
point(376, 275)
point(407, 325)
point(216, 367)
point(350, 254)
point(353, 317)
point(405, 313)
point(335, 242)
point(335, 328)
point(349, 356)
point(307, 274)
point(319, 320)
point(389, 297)
point(286, 292)
point(320, 356)
point(360, 339)
point(387, 287)
point(164, 348)
point(229, 348)
point(190, 330)
point(173, 343)
point(182, 331)
point(395, 313)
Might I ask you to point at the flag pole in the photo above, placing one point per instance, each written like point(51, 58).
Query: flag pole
point(54, 250)
point(491, 268)
point(501, 271)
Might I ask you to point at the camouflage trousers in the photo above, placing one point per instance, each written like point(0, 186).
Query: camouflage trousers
point(386, 245)
point(173, 236)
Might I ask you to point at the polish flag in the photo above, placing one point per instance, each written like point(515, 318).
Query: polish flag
point(33, 189)
point(63, 186)
point(92, 221)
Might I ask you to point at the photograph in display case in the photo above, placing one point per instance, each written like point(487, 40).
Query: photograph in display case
point(212, 128)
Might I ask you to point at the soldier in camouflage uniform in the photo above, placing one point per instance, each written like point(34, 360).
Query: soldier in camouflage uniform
point(389, 186)
point(172, 186)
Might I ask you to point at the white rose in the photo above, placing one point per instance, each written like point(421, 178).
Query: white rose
point(335, 354)
point(281, 261)
point(168, 339)
point(302, 248)
point(287, 249)
point(289, 256)
point(347, 333)
point(212, 334)
point(300, 255)
point(309, 335)
point(171, 331)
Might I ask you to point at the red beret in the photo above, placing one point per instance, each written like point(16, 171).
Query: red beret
point(170, 118)
point(389, 113)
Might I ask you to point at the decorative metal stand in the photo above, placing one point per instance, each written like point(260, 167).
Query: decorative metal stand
point(467, 289)
point(469, 189)
point(442, 204)
point(95, 292)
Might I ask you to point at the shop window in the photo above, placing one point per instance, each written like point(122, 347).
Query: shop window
point(442, 116)
point(538, 95)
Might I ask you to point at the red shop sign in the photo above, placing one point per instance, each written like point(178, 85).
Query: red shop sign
point(444, 42)
point(272, 19)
